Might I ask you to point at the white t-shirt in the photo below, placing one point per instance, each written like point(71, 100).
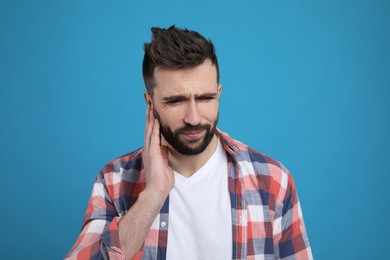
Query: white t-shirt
point(200, 223)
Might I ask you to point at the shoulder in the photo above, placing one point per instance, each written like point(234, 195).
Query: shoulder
point(257, 171)
point(245, 155)
point(120, 181)
point(127, 161)
point(125, 167)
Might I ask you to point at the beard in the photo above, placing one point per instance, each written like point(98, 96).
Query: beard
point(182, 146)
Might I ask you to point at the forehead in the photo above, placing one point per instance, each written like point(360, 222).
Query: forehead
point(190, 81)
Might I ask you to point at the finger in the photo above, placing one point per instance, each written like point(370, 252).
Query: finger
point(147, 118)
point(155, 136)
point(146, 125)
point(148, 128)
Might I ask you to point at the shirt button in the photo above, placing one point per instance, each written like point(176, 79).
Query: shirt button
point(163, 224)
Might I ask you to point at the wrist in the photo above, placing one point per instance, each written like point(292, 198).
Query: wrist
point(154, 198)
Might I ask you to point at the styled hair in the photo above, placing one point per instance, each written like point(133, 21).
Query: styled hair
point(175, 48)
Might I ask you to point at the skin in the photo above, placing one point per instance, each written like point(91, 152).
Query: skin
point(181, 97)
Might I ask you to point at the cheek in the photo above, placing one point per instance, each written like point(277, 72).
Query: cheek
point(209, 111)
point(172, 117)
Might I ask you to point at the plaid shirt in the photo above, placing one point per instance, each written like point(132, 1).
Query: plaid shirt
point(267, 220)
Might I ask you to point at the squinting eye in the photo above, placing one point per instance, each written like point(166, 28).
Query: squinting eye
point(206, 98)
point(173, 102)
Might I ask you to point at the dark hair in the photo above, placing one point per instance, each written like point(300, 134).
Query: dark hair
point(175, 48)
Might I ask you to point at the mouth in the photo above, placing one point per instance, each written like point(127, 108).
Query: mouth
point(193, 135)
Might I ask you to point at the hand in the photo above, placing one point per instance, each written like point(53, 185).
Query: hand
point(136, 223)
point(159, 176)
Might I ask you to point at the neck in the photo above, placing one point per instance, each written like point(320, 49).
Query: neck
point(187, 165)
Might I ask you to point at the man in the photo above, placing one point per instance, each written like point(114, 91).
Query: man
point(192, 192)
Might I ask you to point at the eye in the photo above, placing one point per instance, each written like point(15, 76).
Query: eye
point(206, 98)
point(174, 101)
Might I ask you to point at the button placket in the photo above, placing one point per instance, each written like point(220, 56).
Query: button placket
point(163, 224)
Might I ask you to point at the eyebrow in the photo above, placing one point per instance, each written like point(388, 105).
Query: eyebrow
point(184, 97)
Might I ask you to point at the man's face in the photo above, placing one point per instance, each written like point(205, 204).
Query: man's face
point(186, 104)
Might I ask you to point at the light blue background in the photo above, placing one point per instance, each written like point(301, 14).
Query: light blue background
point(306, 82)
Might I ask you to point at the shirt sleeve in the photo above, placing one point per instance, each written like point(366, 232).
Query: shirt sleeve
point(291, 240)
point(99, 237)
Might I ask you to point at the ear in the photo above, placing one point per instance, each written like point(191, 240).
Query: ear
point(148, 99)
point(219, 90)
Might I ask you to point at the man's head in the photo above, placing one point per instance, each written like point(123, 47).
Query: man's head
point(173, 49)
point(182, 78)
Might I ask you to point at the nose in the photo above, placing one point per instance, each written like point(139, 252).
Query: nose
point(192, 115)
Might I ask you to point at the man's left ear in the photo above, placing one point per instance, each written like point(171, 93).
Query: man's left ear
point(219, 91)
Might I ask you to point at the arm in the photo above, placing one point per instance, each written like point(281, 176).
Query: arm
point(289, 228)
point(134, 226)
point(99, 236)
point(104, 234)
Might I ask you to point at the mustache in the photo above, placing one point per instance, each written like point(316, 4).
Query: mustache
point(188, 128)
